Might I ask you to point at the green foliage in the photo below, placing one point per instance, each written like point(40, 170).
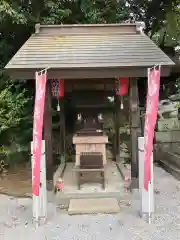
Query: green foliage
point(152, 12)
point(12, 11)
point(12, 108)
point(108, 11)
point(169, 33)
point(15, 120)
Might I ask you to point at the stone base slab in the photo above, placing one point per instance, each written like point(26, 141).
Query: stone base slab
point(93, 206)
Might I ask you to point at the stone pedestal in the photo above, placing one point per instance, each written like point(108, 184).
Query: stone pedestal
point(90, 144)
point(169, 124)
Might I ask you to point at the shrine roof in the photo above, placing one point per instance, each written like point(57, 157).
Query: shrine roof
point(88, 46)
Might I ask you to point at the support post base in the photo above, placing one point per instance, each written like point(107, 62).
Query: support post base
point(134, 183)
point(147, 218)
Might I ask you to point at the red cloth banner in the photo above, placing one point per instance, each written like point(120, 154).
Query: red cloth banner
point(123, 86)
point(37, 130)
point(150, 121)
point(61, 90)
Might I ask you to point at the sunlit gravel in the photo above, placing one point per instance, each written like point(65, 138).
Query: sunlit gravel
point(16, 218)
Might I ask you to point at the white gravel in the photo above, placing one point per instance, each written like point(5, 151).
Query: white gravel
point(16, 215)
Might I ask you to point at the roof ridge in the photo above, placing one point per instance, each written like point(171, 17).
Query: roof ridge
point(85, 25)
point(86, 34)
point(90, 28)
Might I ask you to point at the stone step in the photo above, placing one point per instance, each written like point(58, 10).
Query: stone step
point(175, 148)
point(167, 137)
point(167, 150)
point(160, 154)
point(65, 198)
point(93, 206)
point(163, 147)
point(173, 159)
point(174, 171)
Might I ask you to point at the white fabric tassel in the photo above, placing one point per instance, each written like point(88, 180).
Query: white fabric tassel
point(122, 105)
point(58, 107)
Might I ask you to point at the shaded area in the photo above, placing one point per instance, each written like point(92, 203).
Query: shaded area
point(17, 182)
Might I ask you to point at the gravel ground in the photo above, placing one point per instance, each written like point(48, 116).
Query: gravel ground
point(15, 218)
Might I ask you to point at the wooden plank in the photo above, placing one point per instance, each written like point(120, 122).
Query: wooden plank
point(62, 133)
point(48, 131)
point(89, 170)
point(135, 129)
point(116, 126)
point(83, 73)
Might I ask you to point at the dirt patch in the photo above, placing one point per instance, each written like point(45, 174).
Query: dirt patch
point(17, 182)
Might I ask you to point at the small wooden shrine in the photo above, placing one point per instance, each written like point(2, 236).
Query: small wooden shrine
point(93, 62)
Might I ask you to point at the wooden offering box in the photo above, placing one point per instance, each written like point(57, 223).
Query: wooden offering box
point(90, 144)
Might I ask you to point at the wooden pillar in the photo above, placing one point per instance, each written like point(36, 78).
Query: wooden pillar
point(62, 133)
point(135, 130)
point(48, 131)
point(116, 128)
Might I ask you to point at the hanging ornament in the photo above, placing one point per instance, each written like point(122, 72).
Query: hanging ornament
point(79, 117)
point(58, 106)
point(58, 90)
point(123, 86)
point(122, 89)
point(61, 89)
point(122, 105)
point(100, 117)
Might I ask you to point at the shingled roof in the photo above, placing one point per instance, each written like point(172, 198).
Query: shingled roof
point(88, 46)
